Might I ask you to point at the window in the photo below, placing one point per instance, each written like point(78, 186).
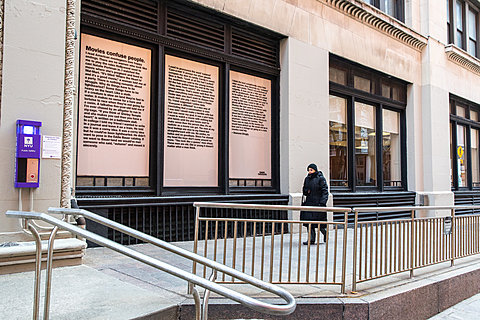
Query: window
point(186, 108)
point(338, 142)
point(391, 149)
point(462, 25)
point(395, 8)
point(472, 32)
point(464, 141)
point(367, 147)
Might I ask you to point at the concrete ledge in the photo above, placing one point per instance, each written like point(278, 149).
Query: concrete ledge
point(20, 256)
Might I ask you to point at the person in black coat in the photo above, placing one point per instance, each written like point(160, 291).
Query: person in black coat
point(315, 193)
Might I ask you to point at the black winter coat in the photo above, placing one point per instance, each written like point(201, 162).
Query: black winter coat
point(315, 190)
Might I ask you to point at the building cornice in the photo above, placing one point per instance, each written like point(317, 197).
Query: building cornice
point(462, 58)
point(378, 20)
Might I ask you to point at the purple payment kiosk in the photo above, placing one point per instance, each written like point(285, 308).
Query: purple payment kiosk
point(27, 157)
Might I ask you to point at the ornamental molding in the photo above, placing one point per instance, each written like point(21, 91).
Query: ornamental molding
point(68, 92)
point(380, 21)
point(462, 58)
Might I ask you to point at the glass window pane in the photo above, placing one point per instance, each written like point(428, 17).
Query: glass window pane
point(391, 150)
point(472, 25)
point(451, 157)
point(338, 142)
point(365, 145)
point(461, 111)
point(472, 47)
point(396, 94)
point(473, 115)
point(448, 11)
point(459, 15)
point(459, 39)
point(475, 159)
point(461, 156)
point(386, 90)
point(390, 7)
point(338, 76)
point(361, 83)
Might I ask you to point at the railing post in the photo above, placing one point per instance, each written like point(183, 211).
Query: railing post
point(412, 242)
point(48, 280)
point(38, 268)
point(195, 245)
point(452, 244)
point(344, 257)
point(354, 273)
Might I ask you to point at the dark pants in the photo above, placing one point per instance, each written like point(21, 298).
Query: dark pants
point(313, 231)
point(315, 217)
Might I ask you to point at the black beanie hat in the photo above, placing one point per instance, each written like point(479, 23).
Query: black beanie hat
point(313, 166)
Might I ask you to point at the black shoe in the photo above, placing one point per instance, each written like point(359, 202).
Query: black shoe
point(324, 232)
point(306, 242)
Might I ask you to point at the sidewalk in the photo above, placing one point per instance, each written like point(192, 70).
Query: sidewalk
point(468, 309)
point(111, 286)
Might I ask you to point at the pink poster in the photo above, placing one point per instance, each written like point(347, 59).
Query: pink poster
point(114, 109)
point(250, 127)
point(191, 123)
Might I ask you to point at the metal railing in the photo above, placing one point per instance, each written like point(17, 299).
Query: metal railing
point(383, 248)
point(209, 285)
point(274, 248)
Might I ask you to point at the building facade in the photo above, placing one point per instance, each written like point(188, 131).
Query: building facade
point(151, 105)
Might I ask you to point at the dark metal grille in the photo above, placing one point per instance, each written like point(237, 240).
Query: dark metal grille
point(254, 47)
point(195, 29)
point(467, 199)
point(384, 199)
point(172, 219)
point(133, 12)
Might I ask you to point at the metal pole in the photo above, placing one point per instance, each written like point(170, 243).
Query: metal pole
point(198, 306)
point(412, 244)
point(206, 296)
point(344, 257)
point(354, 274)
point(38, 269)
point(48, 281)
point(195, 247)
point(452, 244)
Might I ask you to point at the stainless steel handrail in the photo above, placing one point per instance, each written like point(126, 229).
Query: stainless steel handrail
point(252, 303)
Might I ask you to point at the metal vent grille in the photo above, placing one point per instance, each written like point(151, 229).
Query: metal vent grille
point(133, 12)
point(254, 47)
point(380, 199)
point(197, 30)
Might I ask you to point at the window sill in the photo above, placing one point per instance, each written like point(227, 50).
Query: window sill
point(462, 58)
point(381, 21)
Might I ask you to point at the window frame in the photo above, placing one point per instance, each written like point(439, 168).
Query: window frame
point(225, 60)
point(399, 8)
point(352, 95)
point(469, 124)
point(467, 6)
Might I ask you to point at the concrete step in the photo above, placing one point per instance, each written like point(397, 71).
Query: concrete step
point(20, 256)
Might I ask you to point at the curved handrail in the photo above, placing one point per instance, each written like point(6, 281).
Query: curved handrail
point(252, 303)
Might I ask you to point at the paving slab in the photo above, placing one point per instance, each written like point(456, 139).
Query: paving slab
point(81, 292)
point(111, 286)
